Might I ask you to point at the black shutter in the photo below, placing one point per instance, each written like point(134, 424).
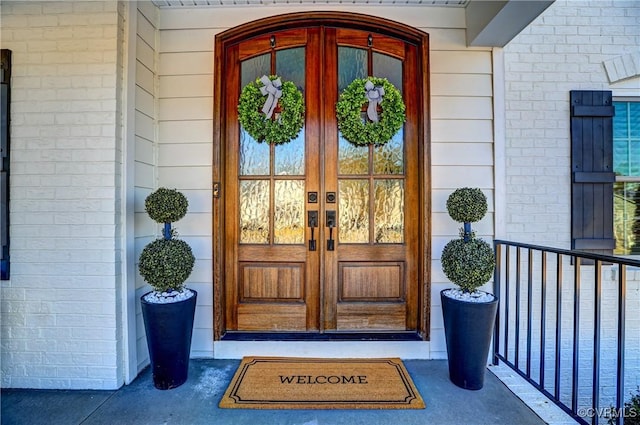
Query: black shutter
point(5, 78)
point(592, 171)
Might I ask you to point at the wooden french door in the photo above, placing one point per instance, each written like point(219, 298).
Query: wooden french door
point(320, 235)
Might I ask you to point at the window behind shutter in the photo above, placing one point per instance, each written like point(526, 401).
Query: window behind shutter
point(5, 78)
point(592, 171)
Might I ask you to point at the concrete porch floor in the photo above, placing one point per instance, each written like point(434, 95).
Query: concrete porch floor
point(196, 402)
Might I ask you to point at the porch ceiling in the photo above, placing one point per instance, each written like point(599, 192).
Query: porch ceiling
point(199, 3)
point(491, 23)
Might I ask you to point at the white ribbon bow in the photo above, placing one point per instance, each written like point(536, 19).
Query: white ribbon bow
point(374, 95)
point(274, 90)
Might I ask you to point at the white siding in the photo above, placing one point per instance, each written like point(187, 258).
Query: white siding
point(462, 123)
point(146, 152)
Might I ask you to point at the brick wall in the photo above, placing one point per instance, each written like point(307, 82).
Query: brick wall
point(562, 50)
point(566, 48)
point(59, 310)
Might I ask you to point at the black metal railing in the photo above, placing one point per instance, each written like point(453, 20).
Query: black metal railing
point(557, 331)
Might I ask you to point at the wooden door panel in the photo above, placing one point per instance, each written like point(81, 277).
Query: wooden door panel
point(272, 286)
point(272, 282)
point(371, 281)
point(279, 40)
point(379, 316)
point(379, 43)
point(374, 285)
point(263, 317)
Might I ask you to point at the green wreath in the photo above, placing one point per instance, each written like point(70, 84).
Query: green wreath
point(374, 91)
point(271, 110)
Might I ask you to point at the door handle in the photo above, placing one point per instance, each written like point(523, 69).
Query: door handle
point(331, 223)
point(312, 221)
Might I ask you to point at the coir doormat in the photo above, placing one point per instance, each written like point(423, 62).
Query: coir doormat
point(306, 383)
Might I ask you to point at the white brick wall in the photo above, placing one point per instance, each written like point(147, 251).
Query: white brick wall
point(60, 309)
point(564, 49)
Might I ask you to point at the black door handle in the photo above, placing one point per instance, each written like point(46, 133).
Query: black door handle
point(331, 223)
point(312, 221)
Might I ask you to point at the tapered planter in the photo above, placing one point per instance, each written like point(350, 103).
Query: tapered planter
point(169, 328)
point(468, 329)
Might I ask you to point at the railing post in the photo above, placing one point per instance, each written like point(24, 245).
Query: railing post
point(576, 334)
point(505, 292)
point(507, 299)
point(556, 388)
point(543, 314)
point(517, 332)
point(622, 302)
point(595, 394)
point(529, 309)
point(496, 291)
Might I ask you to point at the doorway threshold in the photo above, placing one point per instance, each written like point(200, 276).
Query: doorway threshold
point(315, 336)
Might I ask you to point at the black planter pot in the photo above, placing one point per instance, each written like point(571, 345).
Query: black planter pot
point(468, 329)
point(169, 328)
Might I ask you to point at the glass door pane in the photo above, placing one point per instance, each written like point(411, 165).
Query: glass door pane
point(272, 177)
point(370, 179)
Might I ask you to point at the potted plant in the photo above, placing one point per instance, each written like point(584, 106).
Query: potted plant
point(168, 310)
point(468, 313)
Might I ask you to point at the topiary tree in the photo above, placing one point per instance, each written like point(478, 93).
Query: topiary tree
point(166, 263)
point(468, 262)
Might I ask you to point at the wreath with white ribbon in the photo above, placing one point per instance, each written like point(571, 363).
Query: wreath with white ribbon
point(271, 110)
point(377, 128)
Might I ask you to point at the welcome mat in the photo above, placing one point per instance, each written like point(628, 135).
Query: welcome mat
point(307, 383)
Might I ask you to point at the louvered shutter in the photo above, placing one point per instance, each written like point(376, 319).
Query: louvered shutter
point(592, 171)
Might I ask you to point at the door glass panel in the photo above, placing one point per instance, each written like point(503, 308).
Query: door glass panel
point(288, 217)
point(255, 68)
point(254, 156)
point(388, 67)
point(254, 211)
point(289, 158)
point(389, 158)
point(352, 64)
point(389, 211)
point(290, 66)
point(354, 211)
point(352, 159)
point(279, 220)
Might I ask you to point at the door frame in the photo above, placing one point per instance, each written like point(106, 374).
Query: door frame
point(343, 20)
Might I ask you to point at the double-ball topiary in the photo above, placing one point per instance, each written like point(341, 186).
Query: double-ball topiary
point(166, 263)
point(468, 262)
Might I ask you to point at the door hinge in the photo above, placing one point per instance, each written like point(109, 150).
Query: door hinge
point(216, 190)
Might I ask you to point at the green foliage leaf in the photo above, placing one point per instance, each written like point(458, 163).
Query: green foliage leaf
point(363, 132)
point(166, 264)
point(468, 264)
point(166, 205)
point(467, 205)
point(280, 130)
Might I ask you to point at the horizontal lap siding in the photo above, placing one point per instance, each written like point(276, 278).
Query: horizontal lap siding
point(146, 156)
point(461, 127)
